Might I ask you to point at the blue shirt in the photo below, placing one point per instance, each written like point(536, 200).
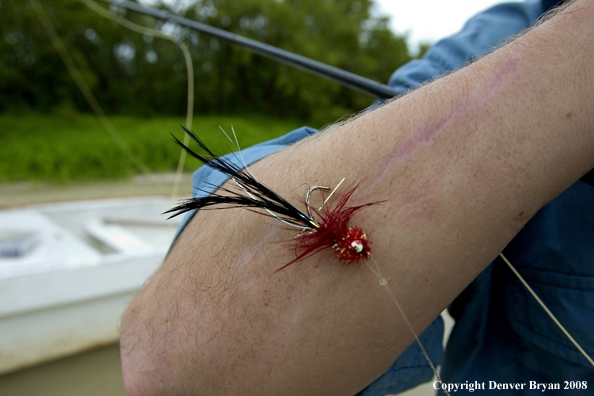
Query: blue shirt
point(500, 334)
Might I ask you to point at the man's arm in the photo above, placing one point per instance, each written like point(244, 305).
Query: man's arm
point(480, 150)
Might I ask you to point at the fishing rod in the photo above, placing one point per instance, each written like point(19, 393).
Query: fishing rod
point(343, 77)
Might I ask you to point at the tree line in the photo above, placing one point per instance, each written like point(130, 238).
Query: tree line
point(136, 74)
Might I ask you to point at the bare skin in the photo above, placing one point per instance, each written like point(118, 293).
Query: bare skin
point(479, 150)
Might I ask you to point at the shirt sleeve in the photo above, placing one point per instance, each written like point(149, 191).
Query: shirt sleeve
point(482, 33)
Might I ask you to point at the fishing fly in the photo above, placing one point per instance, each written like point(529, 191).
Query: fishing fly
point(325, 228)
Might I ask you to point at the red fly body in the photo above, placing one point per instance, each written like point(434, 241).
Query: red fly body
point(333, 231)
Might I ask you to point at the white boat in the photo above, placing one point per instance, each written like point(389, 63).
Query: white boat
point(68, 270)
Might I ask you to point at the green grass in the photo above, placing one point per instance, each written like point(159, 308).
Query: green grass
point(76, 147)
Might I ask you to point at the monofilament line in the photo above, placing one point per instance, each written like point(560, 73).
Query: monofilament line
point(189, 72)
point(384, 282)
point(76, 75)
point(546, 309)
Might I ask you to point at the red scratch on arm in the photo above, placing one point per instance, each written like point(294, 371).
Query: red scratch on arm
point(426, 134)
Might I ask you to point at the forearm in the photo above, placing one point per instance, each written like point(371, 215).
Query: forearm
point(480, 150)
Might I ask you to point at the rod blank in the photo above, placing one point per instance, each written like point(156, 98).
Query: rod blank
point(340, 76)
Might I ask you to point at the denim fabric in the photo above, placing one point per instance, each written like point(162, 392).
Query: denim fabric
point(482, 33)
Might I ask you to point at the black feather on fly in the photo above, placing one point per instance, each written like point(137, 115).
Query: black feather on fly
point(249, 193)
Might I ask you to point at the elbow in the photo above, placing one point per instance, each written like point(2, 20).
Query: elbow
point(143, 365)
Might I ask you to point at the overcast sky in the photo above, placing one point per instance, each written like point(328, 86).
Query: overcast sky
point(429, 20)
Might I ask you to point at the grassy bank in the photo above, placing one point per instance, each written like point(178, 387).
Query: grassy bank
point(76, 147)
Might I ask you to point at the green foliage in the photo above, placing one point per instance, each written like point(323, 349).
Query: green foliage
point(340, 33)
point(60, 149)
point(134, 74)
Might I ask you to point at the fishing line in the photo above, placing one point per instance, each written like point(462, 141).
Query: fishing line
point(542, 304)
point(84, 88)
point(383, 281)
point(189, 70)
